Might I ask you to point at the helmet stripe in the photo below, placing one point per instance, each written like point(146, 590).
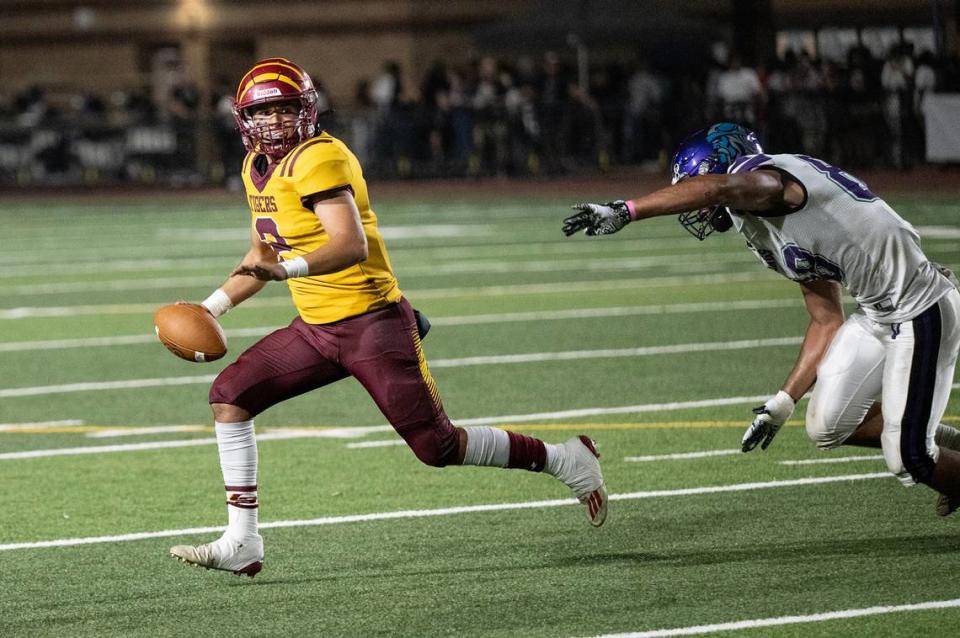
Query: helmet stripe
point(268, 77)
point(243, 89)
point(264, 63)
point(246, 84)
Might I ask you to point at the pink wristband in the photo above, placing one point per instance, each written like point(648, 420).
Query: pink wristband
point(632, 210)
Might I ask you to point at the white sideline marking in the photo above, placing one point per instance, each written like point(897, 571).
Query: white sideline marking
point(562, 287)
point(447, 511)
point(785, 620)
point(530, 357)
point(290, 433)
point(682, 455)
point(838, 459)
point(456, 320)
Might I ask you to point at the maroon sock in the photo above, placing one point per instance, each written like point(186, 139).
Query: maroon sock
point(526, 453)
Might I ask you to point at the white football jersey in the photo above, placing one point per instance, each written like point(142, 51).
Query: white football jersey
point(845, 233)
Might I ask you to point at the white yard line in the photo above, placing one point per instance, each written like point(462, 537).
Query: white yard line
point(293, 433)
point(369, 444)
point(16, 427)
point(428, 270)
point(456, 320)
point(140, 431)
point(104, 385)
point(154, 445)
point(447, 511)
point(393, 233)
point(612, 353)
point(559, 287)
point(529, 357)
point(836, 459)
point(110, 342)
point(698, 630)
point(682, 455)
point(611, 264)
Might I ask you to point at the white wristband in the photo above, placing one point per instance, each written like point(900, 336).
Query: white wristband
point(781, 406)
point(296, 267)
point(217, 303)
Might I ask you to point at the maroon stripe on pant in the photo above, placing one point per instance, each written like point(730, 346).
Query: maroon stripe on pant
point(240, 488)
point(526, 452)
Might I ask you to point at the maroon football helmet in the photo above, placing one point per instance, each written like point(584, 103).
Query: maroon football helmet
point(275, 80)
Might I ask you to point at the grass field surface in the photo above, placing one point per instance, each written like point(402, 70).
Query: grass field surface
point(654, 344)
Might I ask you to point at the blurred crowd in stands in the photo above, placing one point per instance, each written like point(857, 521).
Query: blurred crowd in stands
point(518, 117)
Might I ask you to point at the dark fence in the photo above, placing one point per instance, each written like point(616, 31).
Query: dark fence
point(414, 141)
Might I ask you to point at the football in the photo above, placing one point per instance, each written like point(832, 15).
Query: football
point(190, 332)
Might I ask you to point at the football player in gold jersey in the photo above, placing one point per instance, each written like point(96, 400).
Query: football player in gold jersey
point(312, 226)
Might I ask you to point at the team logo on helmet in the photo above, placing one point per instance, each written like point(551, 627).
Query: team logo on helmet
point(731, 141)
point(712, 150)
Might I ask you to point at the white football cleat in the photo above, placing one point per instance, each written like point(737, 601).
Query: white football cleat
point(242, 558)
point(581, 473)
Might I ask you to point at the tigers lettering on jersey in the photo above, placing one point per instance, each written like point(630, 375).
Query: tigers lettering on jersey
point(262, 204)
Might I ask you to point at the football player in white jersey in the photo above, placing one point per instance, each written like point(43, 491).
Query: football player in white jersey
point(883, 375)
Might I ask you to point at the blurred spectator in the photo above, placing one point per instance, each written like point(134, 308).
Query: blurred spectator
point(739, 92)
point(642, 124)
point(552, 91)
point(490, 116)
point(896, 78)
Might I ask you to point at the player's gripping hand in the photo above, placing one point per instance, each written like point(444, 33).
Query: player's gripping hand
point(770, 418)
point(262, 270)
point(597, 219)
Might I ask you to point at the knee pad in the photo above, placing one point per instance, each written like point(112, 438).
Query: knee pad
point(433, 448)
point(823, 434)
point(222, 390)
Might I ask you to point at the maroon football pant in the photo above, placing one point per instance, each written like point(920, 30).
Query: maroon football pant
point(381, 349)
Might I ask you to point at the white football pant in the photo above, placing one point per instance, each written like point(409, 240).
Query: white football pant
point(908, 367)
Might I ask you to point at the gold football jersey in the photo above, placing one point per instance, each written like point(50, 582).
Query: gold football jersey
point(282, 215)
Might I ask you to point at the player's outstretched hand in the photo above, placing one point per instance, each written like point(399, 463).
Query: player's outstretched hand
point(597, 219)
point(770, 418)
point(262, 271)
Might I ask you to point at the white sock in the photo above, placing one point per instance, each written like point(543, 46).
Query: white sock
point(555, 458)
point(238, 461)
point(487, 446)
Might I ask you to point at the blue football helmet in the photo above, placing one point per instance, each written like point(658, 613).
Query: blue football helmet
point(711, 150)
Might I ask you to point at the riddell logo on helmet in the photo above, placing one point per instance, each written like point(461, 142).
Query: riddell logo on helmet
point(262, 93)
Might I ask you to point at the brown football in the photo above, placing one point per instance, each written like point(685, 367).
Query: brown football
point(190, 332)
